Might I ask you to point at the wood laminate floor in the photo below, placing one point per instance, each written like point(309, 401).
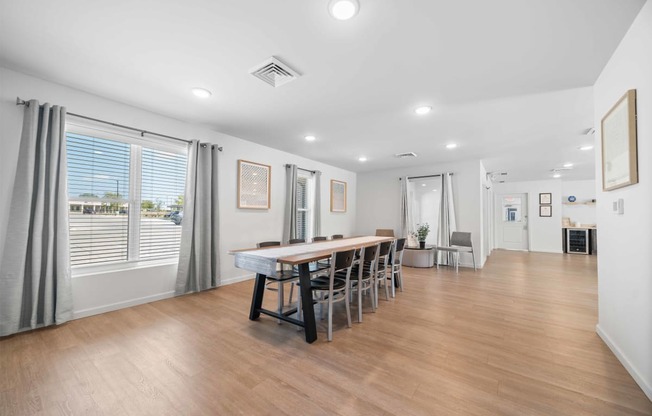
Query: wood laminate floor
point(517, 338)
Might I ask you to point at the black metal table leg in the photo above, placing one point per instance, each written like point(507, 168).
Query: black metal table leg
point(310, 326)
point(257, 298)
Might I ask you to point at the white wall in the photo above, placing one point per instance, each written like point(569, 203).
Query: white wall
point(625, 241)
point(545, 232)
point(584, 191)
point(239, 228)
point(379, 195)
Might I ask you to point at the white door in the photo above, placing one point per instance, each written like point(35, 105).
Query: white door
point(511, 222)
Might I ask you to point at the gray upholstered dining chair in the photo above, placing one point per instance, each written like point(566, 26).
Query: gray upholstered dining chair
point(384, 232)
point(460, 243)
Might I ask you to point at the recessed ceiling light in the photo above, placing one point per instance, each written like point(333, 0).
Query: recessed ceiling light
point(310, 138)
point(362, 158)
point(451, 146)
point(588, 147)
point(434, 190)
point(201, 92)
point(568, 165)
point(556, 175)
point(343, 9)
point(423, 184)
point(423, 110)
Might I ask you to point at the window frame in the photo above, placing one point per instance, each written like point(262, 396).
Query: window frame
point(136, 143)
point(310, 204)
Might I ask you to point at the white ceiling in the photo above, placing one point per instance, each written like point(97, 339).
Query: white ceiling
point(509, 80)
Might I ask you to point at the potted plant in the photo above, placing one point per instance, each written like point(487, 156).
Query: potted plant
point(421, 233)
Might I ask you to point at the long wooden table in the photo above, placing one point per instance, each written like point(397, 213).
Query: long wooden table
point(300, 255)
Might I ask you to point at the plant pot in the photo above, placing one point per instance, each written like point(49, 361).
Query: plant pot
point(422, 244)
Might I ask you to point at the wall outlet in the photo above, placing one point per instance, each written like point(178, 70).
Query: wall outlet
point(619, 206)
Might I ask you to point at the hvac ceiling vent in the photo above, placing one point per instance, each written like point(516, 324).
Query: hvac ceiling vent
point(274, 72)
point(407, 154)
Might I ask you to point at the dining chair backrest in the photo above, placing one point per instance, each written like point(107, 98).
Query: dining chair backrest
point(268, 244)
point(297, 241)
point(400, 245)
point(320, 238)
point(371, 253)
point(461, 239)
point(342, 260)
point(337, 236)
point(385, 248)
point(384, 232)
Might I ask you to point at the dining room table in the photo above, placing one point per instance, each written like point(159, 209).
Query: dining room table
point(264, 262)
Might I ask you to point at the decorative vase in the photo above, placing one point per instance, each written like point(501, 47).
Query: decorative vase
point(422, 245)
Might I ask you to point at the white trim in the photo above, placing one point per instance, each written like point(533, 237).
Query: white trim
point(237, 279)
point(121, 305)
point(104, 268)
point(636, 375)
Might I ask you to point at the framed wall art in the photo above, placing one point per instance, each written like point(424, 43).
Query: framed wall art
point(254, 185)
point(545, 198)
point(545, 210)
point(338, 196)
point(619, 142)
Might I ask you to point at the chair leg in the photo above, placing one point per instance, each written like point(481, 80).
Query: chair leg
point(400, 277)
point(457, 262)
point(360, 300)
point(393, 284)
point(281, 300)
point(473, 255)
point(385, 284)
point(291, 292)
point(330, 316)
point(299, 311)
point(348, 307)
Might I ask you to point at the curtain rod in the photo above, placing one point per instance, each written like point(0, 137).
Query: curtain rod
point(142, 132)
point(305, 170)
point(427, 176)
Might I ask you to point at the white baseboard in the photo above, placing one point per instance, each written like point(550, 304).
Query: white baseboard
point(120, 305)
point(237, 279)
point(636, 375)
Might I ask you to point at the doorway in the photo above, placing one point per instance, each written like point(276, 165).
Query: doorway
point(511, 222)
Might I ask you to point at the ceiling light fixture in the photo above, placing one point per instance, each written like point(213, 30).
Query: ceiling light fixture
point(343, 9)
point(362, 158)
point(423, 110)
point(587, 147)
point(568, 165)
point(201, 92)
point(451, 146)
point(556, 175)
point(310, 138)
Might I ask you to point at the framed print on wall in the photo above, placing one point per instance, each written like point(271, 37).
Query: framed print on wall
point(254, 185)
point(619, 142)
point(338, 196)
point(545, 198)
point(545, 211)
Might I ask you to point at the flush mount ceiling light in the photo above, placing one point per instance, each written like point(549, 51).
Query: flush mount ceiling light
point(587, 147)
point(343, 9)
point(568, 165)
point(201, 92)
point(451, 146)
point(310, 138)
point(423, 110)
point(362, 159)
point(556, 175)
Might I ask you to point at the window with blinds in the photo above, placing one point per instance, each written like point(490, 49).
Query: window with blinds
point(163, 183)
point(125, 200)
point(303, 207)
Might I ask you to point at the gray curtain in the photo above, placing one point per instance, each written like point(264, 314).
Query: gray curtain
point(199, 258)
point(447, 222)
point(405, 209)
point(316, 217)
point(290, 221)
point(35, 287)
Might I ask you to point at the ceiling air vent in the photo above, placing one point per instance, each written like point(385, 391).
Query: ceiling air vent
point(407, 154)
point(274, 72)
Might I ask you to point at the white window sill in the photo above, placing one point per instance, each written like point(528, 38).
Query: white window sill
point(98, 269)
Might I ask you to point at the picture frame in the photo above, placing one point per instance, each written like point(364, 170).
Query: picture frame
point(545, 210)
point(338, 196)
point(254, 185)
point(619, 144)
point(545, 198)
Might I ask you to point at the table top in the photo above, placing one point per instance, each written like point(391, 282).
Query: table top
point(294, 254)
